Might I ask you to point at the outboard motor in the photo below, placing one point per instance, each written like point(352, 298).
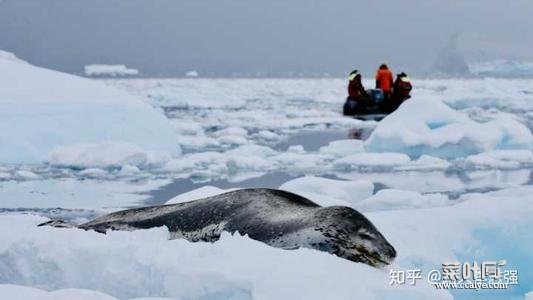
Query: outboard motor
point(376, 95)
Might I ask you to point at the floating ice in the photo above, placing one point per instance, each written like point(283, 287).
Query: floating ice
point(105, 154)
point(377, 160)
point(500, 159)
point(27, 175)
point(423, 126)
point(327, 192)
point(390, 199)
point(203, 192)
point(343, 147)
point(192, 73)
point(109, 70)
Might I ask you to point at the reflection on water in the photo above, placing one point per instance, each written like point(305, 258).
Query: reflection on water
point(180, 186)
point(74, 215)
point(312, 140)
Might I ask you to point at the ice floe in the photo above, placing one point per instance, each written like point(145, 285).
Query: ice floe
point(327, 192)
point(423, 126)
point(109, 70)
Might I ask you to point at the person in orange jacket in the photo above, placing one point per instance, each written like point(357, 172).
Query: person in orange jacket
point(384, 80)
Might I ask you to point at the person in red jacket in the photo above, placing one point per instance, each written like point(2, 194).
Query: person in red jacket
point(402, 88)
point(356, 91)
point(357, 100)
point(401, 92)
point(384, 80)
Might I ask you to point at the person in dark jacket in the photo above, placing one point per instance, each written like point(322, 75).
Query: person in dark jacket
point(358, 99)
point(401, 91)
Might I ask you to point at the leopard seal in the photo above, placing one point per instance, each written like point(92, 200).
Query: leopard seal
point(278, 218)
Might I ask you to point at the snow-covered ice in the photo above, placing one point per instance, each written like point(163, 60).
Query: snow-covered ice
point(42, 109)
point(239, 267)
point(423, 126)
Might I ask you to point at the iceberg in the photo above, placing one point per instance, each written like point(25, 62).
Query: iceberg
point(192, 74)
point(502, 68)
point(42, 110)
point(430, 127)
point(109, 70)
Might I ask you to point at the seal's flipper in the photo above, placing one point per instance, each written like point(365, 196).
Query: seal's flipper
point(58, 224)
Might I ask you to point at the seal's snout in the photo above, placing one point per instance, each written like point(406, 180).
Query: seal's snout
point(389, 254)
point(379, 252)
point(385, 251)
point(392, 253)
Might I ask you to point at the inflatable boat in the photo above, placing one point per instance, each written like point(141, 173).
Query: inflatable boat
point(370, 109)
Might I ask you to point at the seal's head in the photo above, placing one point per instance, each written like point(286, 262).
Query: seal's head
point(352, 236)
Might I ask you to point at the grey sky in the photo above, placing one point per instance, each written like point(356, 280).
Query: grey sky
point(165, 37)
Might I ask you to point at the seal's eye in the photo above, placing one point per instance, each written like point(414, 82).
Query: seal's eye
point(365, 236)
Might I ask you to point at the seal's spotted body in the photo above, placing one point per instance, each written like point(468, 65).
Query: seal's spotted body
point(277, 218)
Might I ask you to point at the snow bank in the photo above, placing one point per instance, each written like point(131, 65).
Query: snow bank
point(41, 110)
point(109, 70)
point(480, 227)
point(145, 263)
point(327, 192)
point(529, 296)
point(430, 127)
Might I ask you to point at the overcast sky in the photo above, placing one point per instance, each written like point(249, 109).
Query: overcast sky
point(277, 36)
